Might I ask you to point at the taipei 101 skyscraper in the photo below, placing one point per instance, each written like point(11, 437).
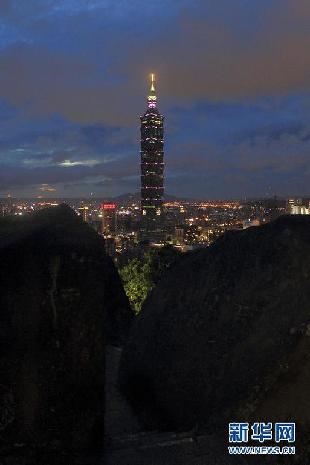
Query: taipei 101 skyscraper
point(152, 169)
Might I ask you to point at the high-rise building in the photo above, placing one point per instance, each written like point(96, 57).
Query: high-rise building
point(84, 212)
point(108, 219)
point(298, 206)
point(152, 169)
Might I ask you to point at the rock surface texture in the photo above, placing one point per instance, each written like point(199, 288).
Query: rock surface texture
point(225, 331)
point(61, 301)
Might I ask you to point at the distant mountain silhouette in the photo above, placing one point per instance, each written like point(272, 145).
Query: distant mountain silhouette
point(135, 197)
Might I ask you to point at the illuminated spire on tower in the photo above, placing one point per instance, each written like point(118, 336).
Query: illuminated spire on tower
point(151, 100)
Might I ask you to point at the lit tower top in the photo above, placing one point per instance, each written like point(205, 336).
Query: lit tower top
point(151, 99)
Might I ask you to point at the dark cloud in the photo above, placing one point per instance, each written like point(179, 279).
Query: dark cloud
point(233, 83)
point(202, 55)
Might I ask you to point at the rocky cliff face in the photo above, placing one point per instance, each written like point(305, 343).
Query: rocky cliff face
point(61, 301)
point(219, 332)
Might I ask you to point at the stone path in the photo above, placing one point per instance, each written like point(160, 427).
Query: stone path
point(127, 444)
point(119, 417)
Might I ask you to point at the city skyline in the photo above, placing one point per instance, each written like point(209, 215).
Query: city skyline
point(234, 85)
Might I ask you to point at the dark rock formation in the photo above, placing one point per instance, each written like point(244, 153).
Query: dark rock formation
point(221, 328)
point(61, 301)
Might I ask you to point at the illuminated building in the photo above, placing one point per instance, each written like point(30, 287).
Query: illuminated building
point(290, 204)
point(298, 207)
point(108, 219)
point(152, 168)
point(248, 223)
point(179, 235)
point(84, 213)
point(300, 210)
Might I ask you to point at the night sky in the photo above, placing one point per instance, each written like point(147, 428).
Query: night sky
point(233, 83)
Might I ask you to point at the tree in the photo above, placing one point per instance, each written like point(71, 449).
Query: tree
point(140, 276)
point(137, 282)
